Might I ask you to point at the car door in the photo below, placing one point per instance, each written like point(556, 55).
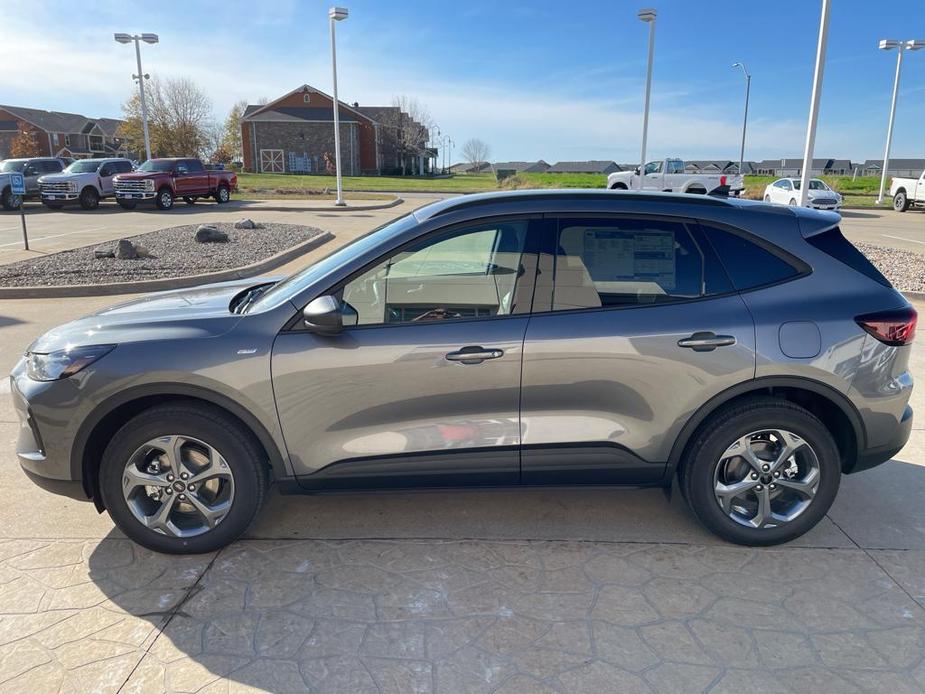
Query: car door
point(638, 328)
point(654, 177)
point(424, 387)
point(105, 174)
point(32, 171)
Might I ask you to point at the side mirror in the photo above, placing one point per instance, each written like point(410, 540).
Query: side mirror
point(323, 315)
point(636, 171)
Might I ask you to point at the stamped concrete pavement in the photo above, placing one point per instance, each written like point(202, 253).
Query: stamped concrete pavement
point(538, 590)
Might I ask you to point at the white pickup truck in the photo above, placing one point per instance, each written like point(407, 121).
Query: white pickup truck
point(86, 181)
point(908, 192)
point(668, 175)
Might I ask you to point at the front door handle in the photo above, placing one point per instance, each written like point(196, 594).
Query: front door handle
point(474, 355)
point(706, 341)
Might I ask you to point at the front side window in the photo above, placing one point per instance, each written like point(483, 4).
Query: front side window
point(616, 262)
point(470, 273)
point(653, 167)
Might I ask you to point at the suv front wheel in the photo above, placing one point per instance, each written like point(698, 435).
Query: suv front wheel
point(762, 472)
point(183, 479)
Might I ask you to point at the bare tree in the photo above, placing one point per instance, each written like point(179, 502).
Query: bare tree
point(476, 152)
point(179, 118)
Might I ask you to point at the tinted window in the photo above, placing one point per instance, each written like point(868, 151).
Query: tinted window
point(50, 166)
point(610, 262)
point(469, 273)
point(122, 166)
point(193, 165)
point(840, 248)
point(748, 264)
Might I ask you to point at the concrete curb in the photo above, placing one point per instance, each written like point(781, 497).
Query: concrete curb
point(918, 296)
point(159, 285)
point(245, 202)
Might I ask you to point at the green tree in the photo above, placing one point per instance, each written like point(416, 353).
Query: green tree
point(231, 141)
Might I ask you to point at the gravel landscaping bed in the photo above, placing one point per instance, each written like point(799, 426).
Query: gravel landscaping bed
point(904, 269)
point(172, 252)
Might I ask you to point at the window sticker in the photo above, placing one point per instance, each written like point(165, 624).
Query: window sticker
point(619, 256)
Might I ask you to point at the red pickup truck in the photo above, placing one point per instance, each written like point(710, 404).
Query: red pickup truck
point(165, 180)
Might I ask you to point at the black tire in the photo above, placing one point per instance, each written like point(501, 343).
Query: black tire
point(164, 199)
point(722, 429)
point(189, 201)
point(127, 204)
point(211, 425)
point(793, 202)
point(89, 198)
point(222, 194)
point(619, 186)
point(767, 198)
point(10, 201)
point(900, 201)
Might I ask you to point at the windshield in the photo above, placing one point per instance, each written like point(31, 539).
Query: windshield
point(158, 165)
point(13, 165)
point(814, 184)
point(84, 166)
point(294, 284)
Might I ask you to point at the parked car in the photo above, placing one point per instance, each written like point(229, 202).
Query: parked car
point(786, 191)
point(86, 181)
point(163, 181)
point(31, 169)
point(668, 175)
point(908, 192)
point(590, 337)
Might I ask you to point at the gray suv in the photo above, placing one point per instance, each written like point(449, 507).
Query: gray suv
point(746, 350)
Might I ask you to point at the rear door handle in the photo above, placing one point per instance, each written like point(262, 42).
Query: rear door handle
point(706, 341)
point(474, 355)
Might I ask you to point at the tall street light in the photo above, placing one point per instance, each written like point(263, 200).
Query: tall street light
point(748, 87)
point(336, 14)
point(814, 102)
point(141, 77)
point(648, 16)
point(901, 46)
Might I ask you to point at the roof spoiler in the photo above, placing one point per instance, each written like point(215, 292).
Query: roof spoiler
point(815, 222)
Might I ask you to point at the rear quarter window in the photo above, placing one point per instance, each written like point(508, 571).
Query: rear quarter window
point(747, 263)
point(833, 243)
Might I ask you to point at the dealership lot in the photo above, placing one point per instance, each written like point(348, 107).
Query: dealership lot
point(526, 590)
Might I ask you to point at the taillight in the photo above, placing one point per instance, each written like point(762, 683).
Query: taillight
point(895, 328)
point(722, 180)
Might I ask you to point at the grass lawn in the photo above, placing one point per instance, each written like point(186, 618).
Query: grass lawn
point(859, 192)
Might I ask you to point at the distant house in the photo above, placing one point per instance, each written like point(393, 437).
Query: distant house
point(61, 134)
point(906, 168)
point(466, 167)
point(295, 134)
point(792, 167)
point(539, 166)
point(718, 166)
point(590, 167)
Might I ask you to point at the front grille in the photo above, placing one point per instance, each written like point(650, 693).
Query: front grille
point(824, 201)
point(130, 186)
point(61, 187)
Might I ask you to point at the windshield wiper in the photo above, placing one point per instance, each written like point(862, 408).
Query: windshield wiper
point(241, 302)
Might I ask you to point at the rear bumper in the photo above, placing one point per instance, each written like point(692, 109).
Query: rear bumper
point(871, 457)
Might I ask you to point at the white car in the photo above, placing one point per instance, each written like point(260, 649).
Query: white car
point(786, 191)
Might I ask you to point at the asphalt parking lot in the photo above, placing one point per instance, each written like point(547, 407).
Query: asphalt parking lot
point(536, 590)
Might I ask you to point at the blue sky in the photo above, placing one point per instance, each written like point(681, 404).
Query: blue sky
point(557, 80)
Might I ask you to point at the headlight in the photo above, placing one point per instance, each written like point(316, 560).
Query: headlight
point(149, 184)
point(52, 366)
point(72, 186)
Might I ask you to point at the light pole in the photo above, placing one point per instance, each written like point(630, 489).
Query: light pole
point(901, 46)
point(648, 16)
point(814, 102)
point(748, 88)
point(141, 77)
point(336, 14)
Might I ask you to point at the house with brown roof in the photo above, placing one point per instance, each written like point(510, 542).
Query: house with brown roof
point(61, 134)
point(295, 134)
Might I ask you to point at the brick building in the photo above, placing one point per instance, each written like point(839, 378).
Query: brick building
point(61, 134)
point(295, 134)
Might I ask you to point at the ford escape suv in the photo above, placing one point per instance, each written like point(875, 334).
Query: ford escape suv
point(747, 351)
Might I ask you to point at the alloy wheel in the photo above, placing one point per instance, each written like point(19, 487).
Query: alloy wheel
point(767, 478)
point(178, 486)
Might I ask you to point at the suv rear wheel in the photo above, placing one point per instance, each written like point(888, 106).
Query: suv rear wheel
point(183, 479)
point(761, 473)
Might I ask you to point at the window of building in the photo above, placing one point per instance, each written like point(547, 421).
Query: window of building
point(468, 273)
point(611, 262)
point(67, 140)
point(307, 98)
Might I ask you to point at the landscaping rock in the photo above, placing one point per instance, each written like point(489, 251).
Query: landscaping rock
point(104, 252)
point(206, 233)
point(245, 224)
point(125, 250)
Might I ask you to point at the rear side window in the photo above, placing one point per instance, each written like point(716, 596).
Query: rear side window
point(628, 262)
point(833, 243)
point(748, 264)
point(193, 165)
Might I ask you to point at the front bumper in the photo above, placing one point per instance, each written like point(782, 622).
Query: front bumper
point(136, 195)
point(60, 197)
point(872, 457)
